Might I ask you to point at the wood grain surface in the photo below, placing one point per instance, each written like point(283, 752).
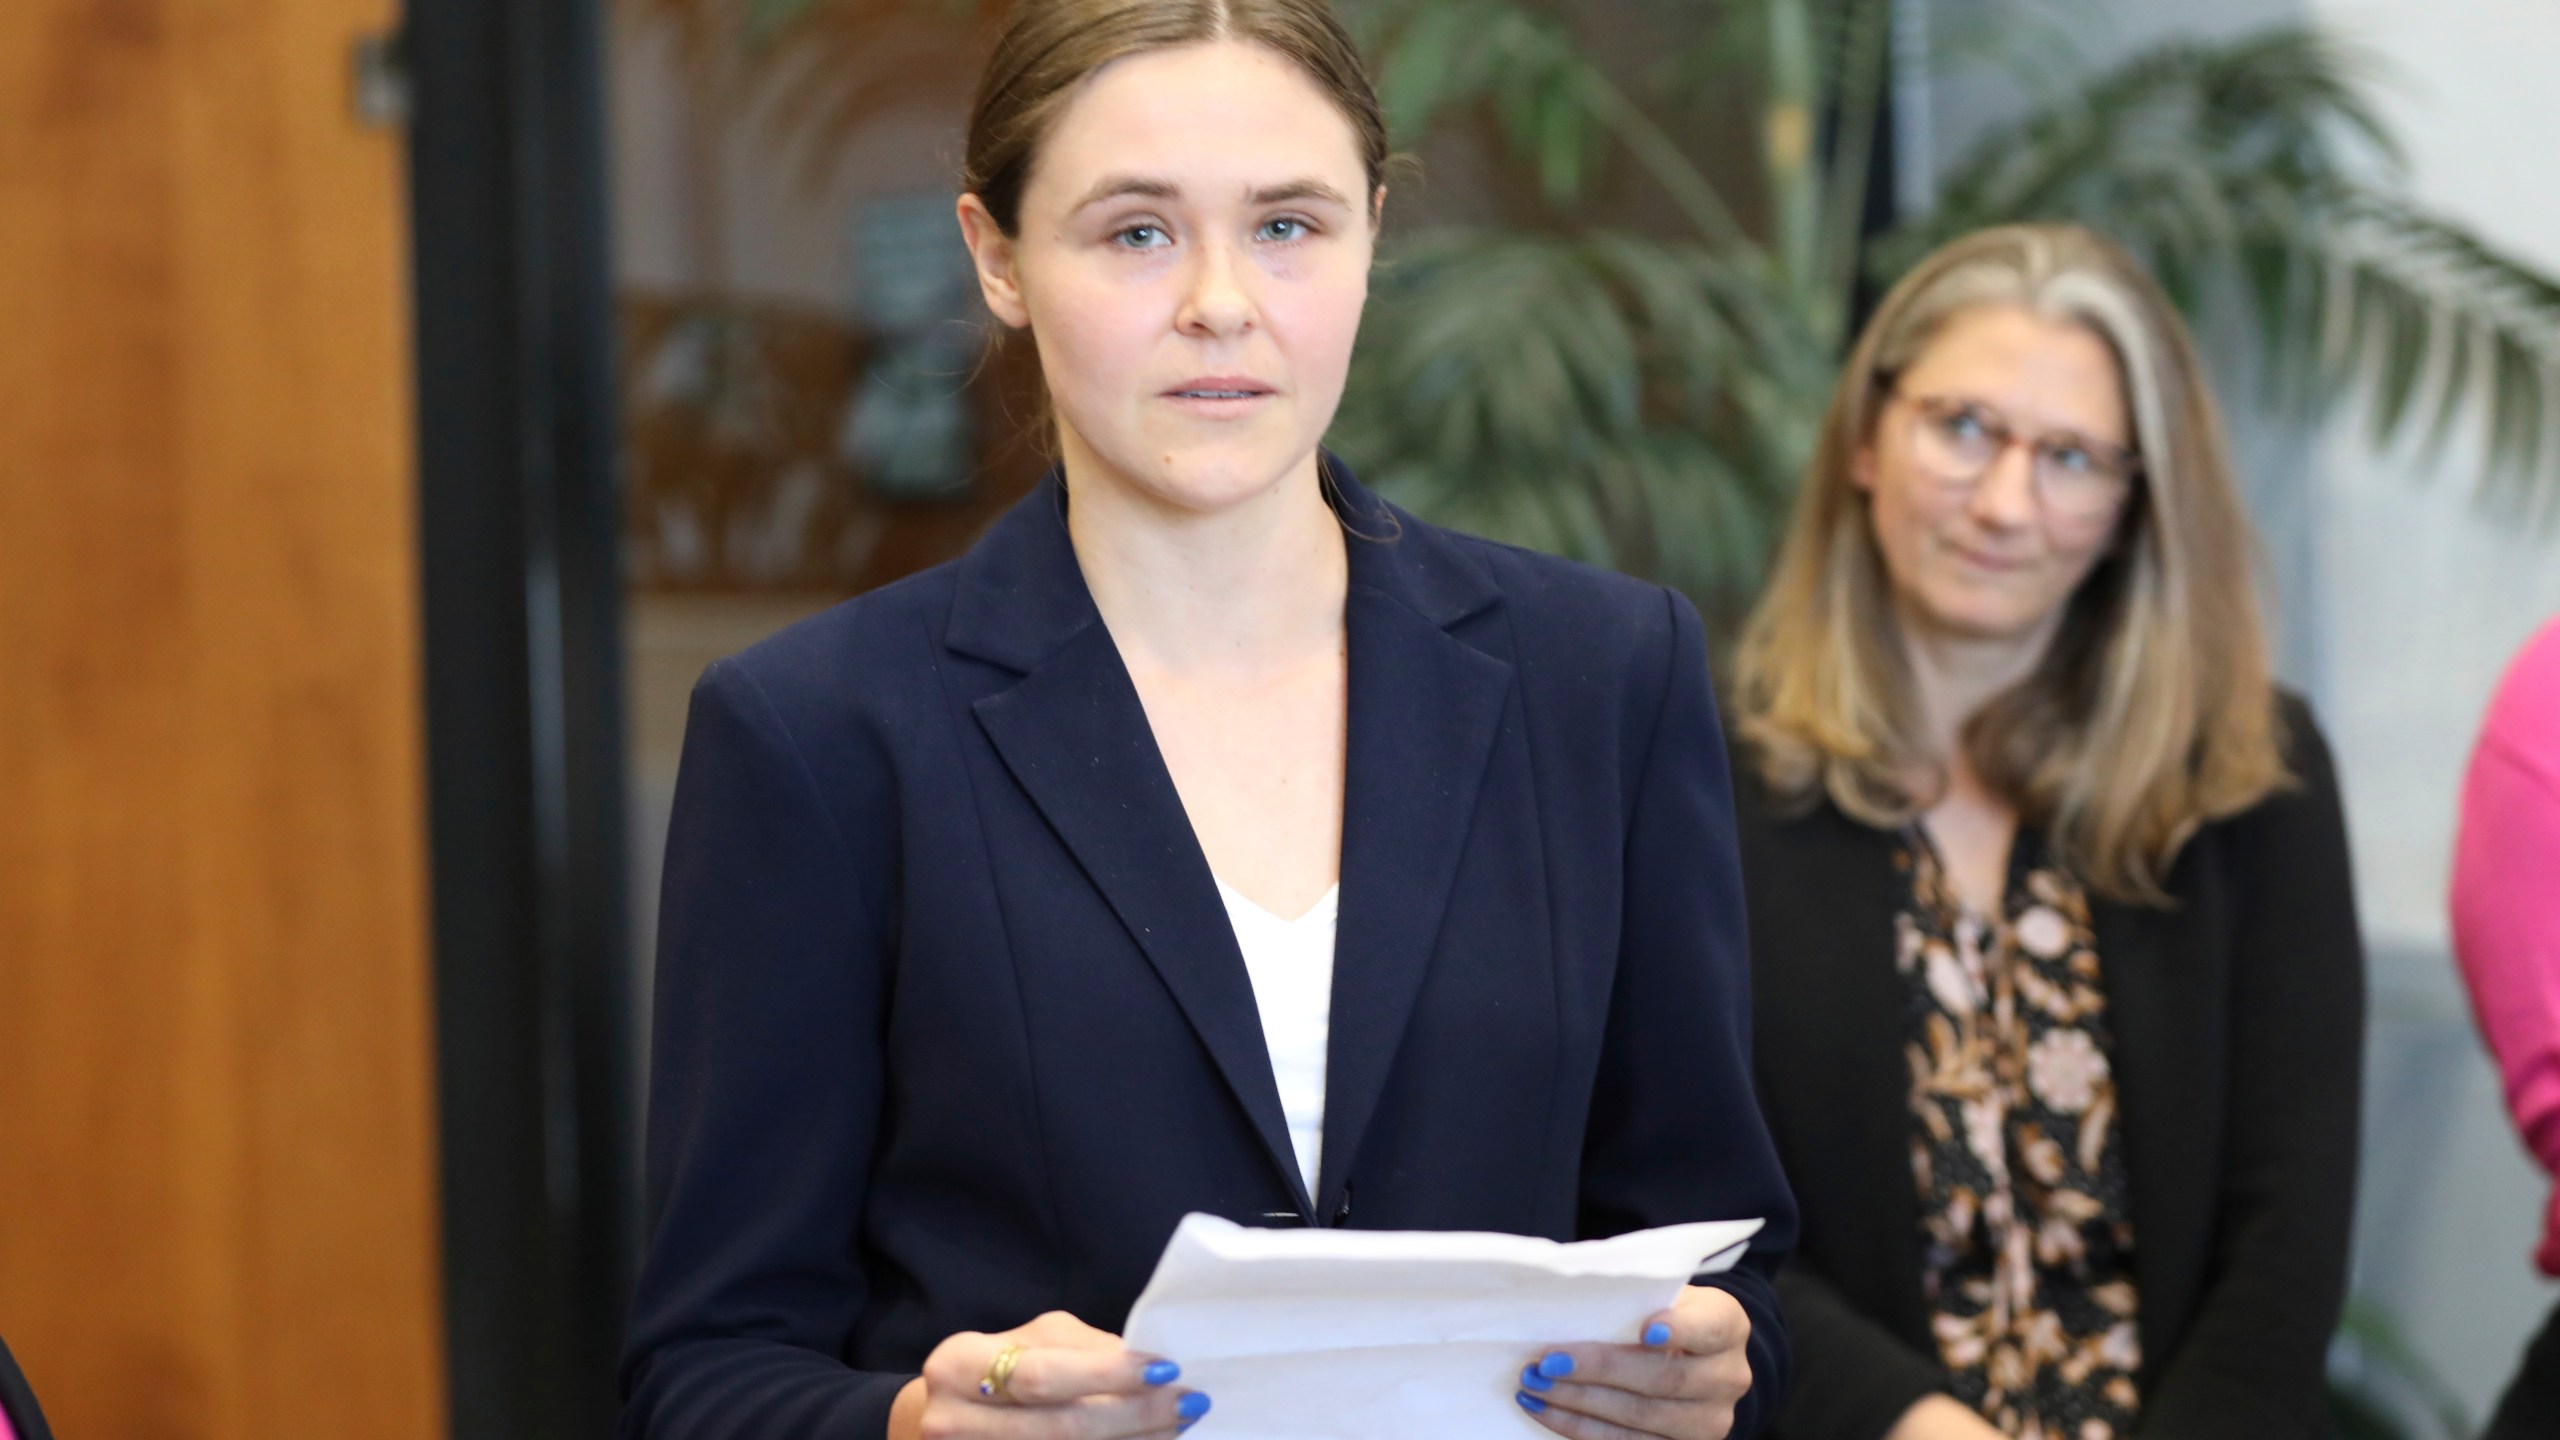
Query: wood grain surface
point(217, 1208)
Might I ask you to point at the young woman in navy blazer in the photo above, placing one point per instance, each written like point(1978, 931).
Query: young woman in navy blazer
point(952, 1023)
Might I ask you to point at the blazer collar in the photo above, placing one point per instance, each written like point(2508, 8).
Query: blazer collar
point(1425, 707)
point(1021, 596)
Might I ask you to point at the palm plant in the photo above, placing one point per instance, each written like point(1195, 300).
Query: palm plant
point(2381, 1388)
point(821, 68)
point(1645, 397)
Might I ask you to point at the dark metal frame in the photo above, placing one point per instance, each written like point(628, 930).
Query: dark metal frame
point(517, 516)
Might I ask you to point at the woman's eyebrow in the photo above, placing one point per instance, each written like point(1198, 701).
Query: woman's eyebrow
point(1307, 189)
point(1113, 187)
point(2061, 430)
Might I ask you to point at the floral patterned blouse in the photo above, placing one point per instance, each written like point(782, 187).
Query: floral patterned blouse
point(2027, 1240)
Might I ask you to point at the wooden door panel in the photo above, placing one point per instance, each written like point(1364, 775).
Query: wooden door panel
point(217, 1209)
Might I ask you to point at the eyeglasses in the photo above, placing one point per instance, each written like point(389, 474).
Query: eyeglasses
point(1958, 441)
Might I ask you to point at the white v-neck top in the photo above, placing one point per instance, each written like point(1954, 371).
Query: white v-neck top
point(1291, 965)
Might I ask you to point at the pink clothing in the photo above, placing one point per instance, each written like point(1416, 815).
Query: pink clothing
point(2506, 902)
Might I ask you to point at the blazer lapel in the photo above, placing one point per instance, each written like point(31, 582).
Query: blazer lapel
point(2163, 998)
point(1865, 995)
point(1074, 735)
point(1826, 890)
point(1426, 707)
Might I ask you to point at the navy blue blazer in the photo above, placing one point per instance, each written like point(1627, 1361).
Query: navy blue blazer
point(18, 1402)
point(951, 1028)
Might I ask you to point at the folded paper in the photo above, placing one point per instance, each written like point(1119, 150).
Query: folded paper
point(1320, 1334)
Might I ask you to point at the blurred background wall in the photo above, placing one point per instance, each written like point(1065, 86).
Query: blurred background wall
point(217, 1186)
point(2415, 600)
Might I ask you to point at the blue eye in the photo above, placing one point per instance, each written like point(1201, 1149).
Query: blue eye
point(1963, 425)
point(1284, 229)
point(2075, 459)
point(1140, 237)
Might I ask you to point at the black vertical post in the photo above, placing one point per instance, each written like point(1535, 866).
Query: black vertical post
point(1878, 210)
point(518, 527)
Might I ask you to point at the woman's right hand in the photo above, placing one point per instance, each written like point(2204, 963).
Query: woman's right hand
point(1071, 1382)
point(1943, 1417)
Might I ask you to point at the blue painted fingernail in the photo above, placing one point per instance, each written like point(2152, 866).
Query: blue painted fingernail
point(1657, 1333)
point(1181, 1426)
point(1535, 1381)
point(1556, 1366)
point(1192, 1406)
point(1531, 1403)
point(1162, 1372)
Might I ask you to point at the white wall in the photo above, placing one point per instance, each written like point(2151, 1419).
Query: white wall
point(2425, 597)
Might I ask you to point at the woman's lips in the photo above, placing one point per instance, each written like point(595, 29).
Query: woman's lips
point(1219, 394)
point(1994, 564)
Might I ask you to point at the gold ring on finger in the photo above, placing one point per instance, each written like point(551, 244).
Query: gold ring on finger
point(997, 1383)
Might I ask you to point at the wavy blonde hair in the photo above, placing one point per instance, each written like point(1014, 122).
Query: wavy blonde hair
point(2153, 710)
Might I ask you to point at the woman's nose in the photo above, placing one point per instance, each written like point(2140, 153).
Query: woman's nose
point(2006, 493)
point(1216, 302)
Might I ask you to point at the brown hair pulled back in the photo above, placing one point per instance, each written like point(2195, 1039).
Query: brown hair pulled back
point(1049, 47)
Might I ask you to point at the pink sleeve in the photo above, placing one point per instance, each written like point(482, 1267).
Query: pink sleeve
point(2506, 901)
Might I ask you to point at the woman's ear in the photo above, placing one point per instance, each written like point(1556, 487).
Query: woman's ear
point(1377, 209)
point(991, 250)
point(1862, 467)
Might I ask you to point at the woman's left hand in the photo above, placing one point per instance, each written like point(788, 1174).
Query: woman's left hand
point(1682, 1384)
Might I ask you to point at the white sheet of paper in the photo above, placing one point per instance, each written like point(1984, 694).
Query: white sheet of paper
point(1318, 1334)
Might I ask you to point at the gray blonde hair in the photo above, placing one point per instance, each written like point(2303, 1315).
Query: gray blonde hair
point(2152, 712)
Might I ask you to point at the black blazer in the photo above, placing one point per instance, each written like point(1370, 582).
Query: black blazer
point(2239, 1022)
point(19, 1402)
point(951, 1027)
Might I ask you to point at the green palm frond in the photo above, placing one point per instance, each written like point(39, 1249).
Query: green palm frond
point(2040, 46)
point(2382, 1388)
point(1433, 59)
point(2188, 120)
point(1860, 41)
point(1734, 40)
point(1558, 111)
point(1632, 402)
point(2439, 322)
point(1726, 49)
point(1647, 400)
point(2247, 164)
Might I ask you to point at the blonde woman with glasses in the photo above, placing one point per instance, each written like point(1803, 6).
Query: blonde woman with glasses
point(2057, 979)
